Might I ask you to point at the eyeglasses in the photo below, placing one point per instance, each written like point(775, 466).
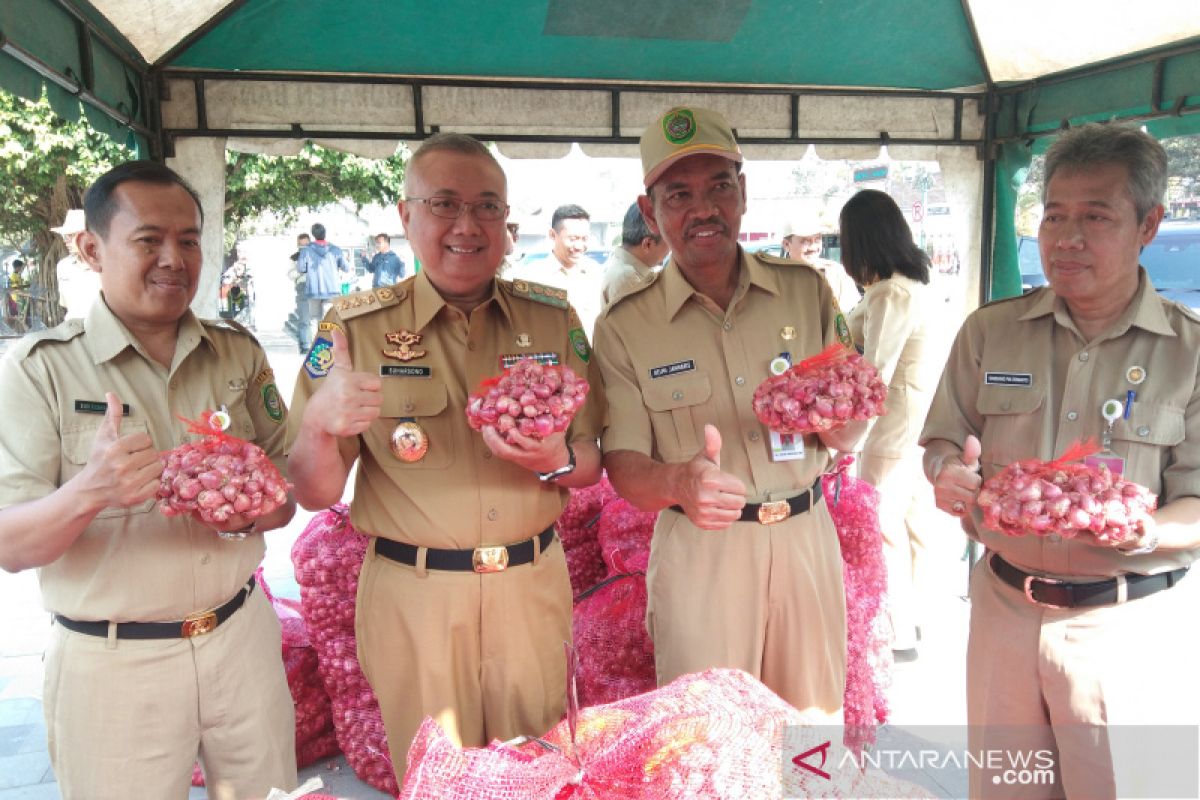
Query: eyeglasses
point(513, 228)
point(453, 208)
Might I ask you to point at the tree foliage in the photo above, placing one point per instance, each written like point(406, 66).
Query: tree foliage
point(317, 176)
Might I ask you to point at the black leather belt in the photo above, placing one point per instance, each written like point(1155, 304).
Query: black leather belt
point(1053, 593)
point(773, 511)
point(194, 625)
point(494, 558)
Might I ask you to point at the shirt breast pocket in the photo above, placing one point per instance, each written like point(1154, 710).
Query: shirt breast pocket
point(1144, 439)
point(77, 449)
point(678, 412)
point(426, 403)
point(1012, 423)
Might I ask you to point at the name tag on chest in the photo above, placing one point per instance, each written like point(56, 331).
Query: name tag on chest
point(401, 371)
point(672, 369)
point(98, 407)
point(1008, 379)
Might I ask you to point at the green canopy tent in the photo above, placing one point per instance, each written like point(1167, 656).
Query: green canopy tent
point(977, 85)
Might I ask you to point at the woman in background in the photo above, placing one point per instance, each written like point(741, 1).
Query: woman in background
point(896, 327)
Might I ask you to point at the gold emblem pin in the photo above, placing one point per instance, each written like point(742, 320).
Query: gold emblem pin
point(409, 442)
point(404, 342)
point(788, 333)
point(524, 340)
point(1135, 375)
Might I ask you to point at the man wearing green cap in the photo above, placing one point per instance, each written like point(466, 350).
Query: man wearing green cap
point(745, 569)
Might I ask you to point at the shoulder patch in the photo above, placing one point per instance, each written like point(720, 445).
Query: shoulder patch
point(539, 293)
point(359, 303)
point(579, 344)
point(63, 332)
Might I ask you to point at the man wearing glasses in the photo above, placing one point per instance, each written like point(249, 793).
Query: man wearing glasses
point(745, 569)
point(464, 601)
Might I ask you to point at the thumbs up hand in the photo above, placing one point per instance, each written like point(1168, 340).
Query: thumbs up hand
point(958, 481)
point(712, 499)
point(346, 402)
point(122, 471)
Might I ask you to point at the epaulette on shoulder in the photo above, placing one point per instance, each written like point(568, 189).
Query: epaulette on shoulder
point(537, 292)
point(1029, 295)
point(63, 332)
point(228, 325)
point(359, 303)
point(780, 261)
point(630, 291)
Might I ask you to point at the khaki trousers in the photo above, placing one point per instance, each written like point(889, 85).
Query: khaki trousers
point(128, 718)
point(766, 599)
point(481, 654)
point(1039, 678)
point(905, 501)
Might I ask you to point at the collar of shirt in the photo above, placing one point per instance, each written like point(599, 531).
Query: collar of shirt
point(1145, 311)
point(107, 336)
point(679, 291)
point(427, 301)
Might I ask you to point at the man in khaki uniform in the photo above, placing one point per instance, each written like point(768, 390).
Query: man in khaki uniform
point(804, 240)
point(138, 684)
point(1072, 640)
point(637, 258)
point(463, 601)
point(745, 569)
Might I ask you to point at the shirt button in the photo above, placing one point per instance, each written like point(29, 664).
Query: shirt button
point(754, 436)
point(1143, 431)
point(739, 380)
point(728, 326)
point(676, 395)
point(1006, 405)
point(1083, 356)
point(174, 384)
point(492, 513)
point(487, 453)
point(204, 559)
point(1072, 415)
point(408, 406)
point(470, 345)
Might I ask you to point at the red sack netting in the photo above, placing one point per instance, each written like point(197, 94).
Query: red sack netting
point(854, 507)
point(530, 398)
point(328, 556)
point(578, 528)
point(716, 734)
point(1064, 498)
point(820, 393)
point(315, 737)
point(615, 654)
point(219, 475)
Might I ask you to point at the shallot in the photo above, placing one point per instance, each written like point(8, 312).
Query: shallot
point(529, 398)
point(821, 393)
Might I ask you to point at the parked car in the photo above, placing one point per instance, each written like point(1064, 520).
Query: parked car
point(1172, 261)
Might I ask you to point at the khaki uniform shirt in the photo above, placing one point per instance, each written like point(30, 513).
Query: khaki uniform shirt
point(458, 495)
point(132, 564)
point(623, 272)
point(898, 326)
point(1022, 379)
point(674, 361)
point(845, 290)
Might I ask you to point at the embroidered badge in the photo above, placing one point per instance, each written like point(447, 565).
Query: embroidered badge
point(404, 342)
point(1135, 374)
point(679, 126)
point(524, 340)
point(579, 344)
point(272, 402)
point(320, 358)
point(672, 369)
point(549, 295)
point(329, 326)
point(261, 379)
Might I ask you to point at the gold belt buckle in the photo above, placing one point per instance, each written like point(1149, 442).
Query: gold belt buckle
point(774, 511)
point(198, 624)
point(490, 559)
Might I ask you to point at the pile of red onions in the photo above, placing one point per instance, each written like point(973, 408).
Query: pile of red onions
point(530, 398)
point(1063, 498)
point(327, 557)
point(219, 476)
point(578, 527)
point(821, 393)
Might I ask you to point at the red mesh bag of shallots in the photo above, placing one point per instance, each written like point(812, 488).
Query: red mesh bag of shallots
point(579, 530)
point(715, 734)
point(854, 507)
point(531, 398)
point(219, 475)
point(821, 393)
point(1064, 498)
point(327, 557)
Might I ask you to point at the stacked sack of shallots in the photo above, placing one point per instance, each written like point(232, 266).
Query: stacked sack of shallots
point(315, 738)
point(579, 529)
point(615, 654)
point(327, 557)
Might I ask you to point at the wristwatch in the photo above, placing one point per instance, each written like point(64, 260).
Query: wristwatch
point(566, 469)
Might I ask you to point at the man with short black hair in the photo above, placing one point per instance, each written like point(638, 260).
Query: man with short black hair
point(385, 266)
point(568, 265)
point(638, 257)
point(324, 266)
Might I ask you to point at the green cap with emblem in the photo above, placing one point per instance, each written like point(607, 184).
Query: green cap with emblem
point(685, 131)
